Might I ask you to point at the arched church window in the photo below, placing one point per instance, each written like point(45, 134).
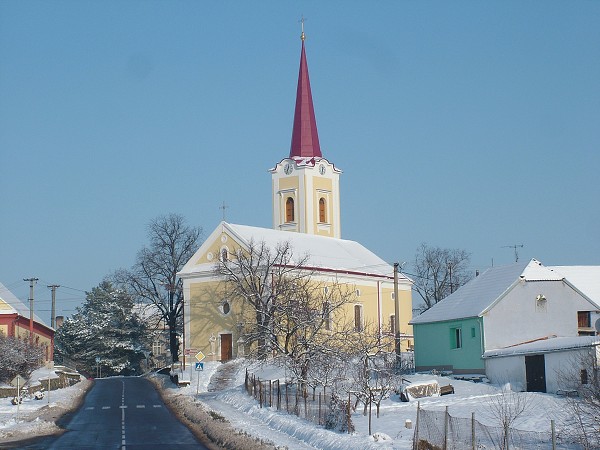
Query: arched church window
point(322, 215)
point(289, 209)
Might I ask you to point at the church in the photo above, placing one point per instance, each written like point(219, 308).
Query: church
point(306, 215)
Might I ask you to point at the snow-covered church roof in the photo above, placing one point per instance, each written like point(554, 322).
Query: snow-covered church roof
point(10, 304)
point(472, 299)
point(324, 253)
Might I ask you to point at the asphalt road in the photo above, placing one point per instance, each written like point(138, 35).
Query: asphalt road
point(125, 414)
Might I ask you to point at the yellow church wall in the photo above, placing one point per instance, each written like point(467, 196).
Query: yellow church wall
point(4, 330)
point(214, 252)
point(208, 320)
point(4, 305)
point(289, 183)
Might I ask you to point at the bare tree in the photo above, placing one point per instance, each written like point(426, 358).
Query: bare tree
point(439, 272)
point(310, 325)
point(374, 375)
point(262, 277)
point(506, 408)
point(581, 376)
point(153, 278)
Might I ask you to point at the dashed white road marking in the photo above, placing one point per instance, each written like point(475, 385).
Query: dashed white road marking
point(140, 406)
point(106, 407)
point(123, 407)
point(157, 406)
point(89, 408)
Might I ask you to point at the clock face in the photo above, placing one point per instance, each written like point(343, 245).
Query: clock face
point(322, 169)
point(288, 169)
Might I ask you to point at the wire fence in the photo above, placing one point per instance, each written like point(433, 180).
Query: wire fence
point(313, 404)
point(438, 430)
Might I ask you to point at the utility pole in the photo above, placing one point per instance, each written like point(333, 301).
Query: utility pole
point(515, 248)
point(53, 313)
point(32, 282)
point(396, 314)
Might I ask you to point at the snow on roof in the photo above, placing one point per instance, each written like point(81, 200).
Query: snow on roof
point(554, 344)
point(325, 253)
point(472, 299)
point(16, 305)
point(584, 278)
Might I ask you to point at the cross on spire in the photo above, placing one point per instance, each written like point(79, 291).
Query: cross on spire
point(302, 36)
point(223, 207)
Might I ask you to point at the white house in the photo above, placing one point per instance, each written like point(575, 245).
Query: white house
point(505, 306)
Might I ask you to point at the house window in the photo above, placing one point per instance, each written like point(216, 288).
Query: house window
point(224, 255)
point(289, 209)
point(393, 324)
point(584, 376)
point(584, 319)
point(358, 292)
point(358, 318)
point(156, 348)
point(472, 332)
point(456, 337)
point(322, 215)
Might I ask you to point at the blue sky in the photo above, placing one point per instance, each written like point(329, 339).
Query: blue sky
point(465, 124)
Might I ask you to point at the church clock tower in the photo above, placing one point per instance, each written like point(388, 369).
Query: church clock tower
point(306, 194)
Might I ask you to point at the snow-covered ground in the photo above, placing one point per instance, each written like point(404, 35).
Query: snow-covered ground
point(287, 430)
point(36, 417)
point(243, 412)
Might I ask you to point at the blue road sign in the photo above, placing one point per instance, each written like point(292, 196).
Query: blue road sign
point(199, 366)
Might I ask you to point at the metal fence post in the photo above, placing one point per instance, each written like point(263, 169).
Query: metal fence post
point(416, 432)
point(553, 434)
point(446, 417)
point(473, 431)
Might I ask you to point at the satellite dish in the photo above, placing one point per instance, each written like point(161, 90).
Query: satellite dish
point(597, 325)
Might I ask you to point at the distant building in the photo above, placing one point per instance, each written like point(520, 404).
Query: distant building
point(15, 322)
point(306, 213)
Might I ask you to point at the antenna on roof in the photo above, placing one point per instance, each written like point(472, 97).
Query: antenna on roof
point(515, 248)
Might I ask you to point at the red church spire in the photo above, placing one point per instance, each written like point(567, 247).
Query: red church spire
point(305, 139)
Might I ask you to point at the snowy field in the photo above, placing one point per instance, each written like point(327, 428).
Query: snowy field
point(389, 429)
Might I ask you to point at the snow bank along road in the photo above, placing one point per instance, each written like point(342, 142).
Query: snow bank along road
point(122, 413)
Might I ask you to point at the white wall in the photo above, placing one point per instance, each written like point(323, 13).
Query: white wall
point(562, 369)
point(510, 369)
point(516, 318)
